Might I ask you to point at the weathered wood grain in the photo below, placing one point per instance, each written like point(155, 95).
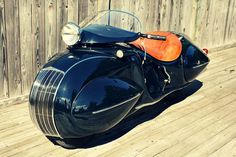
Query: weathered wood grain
point(50, 28)
point(13, 47)
point(73, 14)
point(62, 17)
point(230, 32)
point(3, 59)
point(31, 30)
point(26, 54)
point(82, 10)
point(91, 7)
point(229, 148)
point(38, 34)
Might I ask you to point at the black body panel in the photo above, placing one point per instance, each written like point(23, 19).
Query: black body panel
point(195, 61)
point(103, 34)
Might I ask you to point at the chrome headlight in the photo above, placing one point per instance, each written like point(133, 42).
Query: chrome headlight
point(70, 33)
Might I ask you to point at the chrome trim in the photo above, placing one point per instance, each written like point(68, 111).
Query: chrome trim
point(200, 65)
point(39, 110)
point(53, 69)
point(52, 107)
point(147, 104)
point(169, 79)
point(41, 97)
point(48, 111)
point(152, 103)
point(111, 107)
point(49, 85)
point(36, 86)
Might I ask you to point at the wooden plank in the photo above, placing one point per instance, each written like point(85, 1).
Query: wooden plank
point(22, 145)
point(12, 47)
point(175, 16)
point(82, 10)
point(41, 149)
point(89, 8)
point(213, 143)
point(228, 148)
point(137, 7)
point(210, 22)
point(187, 140)
point(62, 153)
point(51, 28)
point(164, 13)
point(62, 17)
point(234, 22)
point(13, 139)
point(161, 15)
point(15, 130)
point(73, 11)
point(3, 55)
point(149, 17)
point(187, 18)
point(229, 20)
point(219, 23)
point(25, 17)
point(38, 34)
point(6, 102)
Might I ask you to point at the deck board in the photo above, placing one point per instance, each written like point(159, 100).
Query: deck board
point(202, 123)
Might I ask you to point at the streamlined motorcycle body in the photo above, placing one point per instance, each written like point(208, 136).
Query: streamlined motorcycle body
point(104, 78)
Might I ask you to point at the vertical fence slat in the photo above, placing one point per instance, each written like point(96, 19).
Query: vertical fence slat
point(219, 21)
point(12, 47)
point(210, 22)
point(187, 24)
point(91, 7)
point(25, 15)
point(73, 10)
point(3, 59)
point(38, 34)
point(229, 31)
point(62, 18)
point(233, 25)
point(82, 10)
point(50, 27)
point(102, 5)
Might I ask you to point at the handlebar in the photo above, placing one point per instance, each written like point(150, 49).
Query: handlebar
point(150, 36)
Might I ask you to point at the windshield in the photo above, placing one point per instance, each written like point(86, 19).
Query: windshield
point(115, 18)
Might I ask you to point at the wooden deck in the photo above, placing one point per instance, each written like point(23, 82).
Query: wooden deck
point(201, 121)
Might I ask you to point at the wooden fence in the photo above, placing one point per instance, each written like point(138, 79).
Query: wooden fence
point(30, 29)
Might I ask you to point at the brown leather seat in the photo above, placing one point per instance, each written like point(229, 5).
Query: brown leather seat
point(168, 50)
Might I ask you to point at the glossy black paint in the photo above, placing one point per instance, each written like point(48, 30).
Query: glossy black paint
point(98, 89)
point(103, 34)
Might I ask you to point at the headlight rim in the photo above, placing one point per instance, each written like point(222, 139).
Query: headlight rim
point(69, 38)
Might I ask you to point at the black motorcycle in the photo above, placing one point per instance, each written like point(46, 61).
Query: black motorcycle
point(108, 72)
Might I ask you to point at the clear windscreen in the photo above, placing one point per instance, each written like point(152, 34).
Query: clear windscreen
point(115, 18)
